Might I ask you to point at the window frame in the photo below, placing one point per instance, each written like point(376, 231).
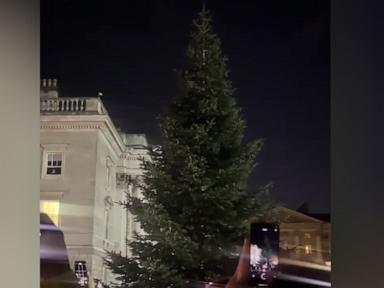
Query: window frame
point(49, 149)
point(52, 166)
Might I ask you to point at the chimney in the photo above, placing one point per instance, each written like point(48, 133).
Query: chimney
point(49, 88)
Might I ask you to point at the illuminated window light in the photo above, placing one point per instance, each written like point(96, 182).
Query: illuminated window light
point(51, 208)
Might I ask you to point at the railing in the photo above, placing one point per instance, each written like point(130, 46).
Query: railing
point(72, 105)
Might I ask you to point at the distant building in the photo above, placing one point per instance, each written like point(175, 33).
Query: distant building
point(304, 236)
point(87, 166)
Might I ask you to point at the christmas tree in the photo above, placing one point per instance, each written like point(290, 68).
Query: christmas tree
point(195, 208)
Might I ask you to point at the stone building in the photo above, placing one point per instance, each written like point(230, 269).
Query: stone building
point(87, 166)
point(304, 237)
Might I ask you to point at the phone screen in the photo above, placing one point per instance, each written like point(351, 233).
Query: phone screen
point(264, 253)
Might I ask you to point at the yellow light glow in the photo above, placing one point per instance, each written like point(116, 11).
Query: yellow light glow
point(308, 249)
point(51, 208)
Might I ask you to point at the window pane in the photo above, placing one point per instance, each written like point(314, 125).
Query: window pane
point(57, 156)
point(53, 171)
point(59, 163)
point(49, 163)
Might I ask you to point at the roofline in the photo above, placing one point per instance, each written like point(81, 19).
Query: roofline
point(299, 213)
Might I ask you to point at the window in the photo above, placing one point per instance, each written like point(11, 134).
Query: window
point(54, 163)
point(308, 249)
point(51, 208)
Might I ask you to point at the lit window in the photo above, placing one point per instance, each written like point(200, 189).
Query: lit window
point(307, 235)
point(308, 249)
point(54, 163)
point(51, 208)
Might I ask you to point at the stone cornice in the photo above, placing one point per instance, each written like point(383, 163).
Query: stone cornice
point(70, 125)
point(84, 122)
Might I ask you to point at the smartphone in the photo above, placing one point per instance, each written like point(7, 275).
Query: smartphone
point(264, 253)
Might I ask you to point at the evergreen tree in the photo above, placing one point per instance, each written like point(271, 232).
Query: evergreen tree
point(195, 207)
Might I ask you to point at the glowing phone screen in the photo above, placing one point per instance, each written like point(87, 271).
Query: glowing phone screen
point(264, 253)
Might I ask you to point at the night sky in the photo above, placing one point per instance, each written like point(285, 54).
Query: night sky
point(279, 62)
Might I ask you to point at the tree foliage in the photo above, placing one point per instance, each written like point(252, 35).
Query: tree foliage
point(195, 207)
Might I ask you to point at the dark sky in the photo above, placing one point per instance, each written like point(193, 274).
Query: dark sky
point(279, 61)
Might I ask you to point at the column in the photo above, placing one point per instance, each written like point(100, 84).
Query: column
point(124, 224)
point(297, 244)
point(319, 249)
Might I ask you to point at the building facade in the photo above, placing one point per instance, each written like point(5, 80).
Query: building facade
point(87, 167)
point(304, 237)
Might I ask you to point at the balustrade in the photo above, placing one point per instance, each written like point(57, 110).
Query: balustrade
point(72, 105)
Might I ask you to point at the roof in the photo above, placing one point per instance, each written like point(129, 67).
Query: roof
point(287, 215)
